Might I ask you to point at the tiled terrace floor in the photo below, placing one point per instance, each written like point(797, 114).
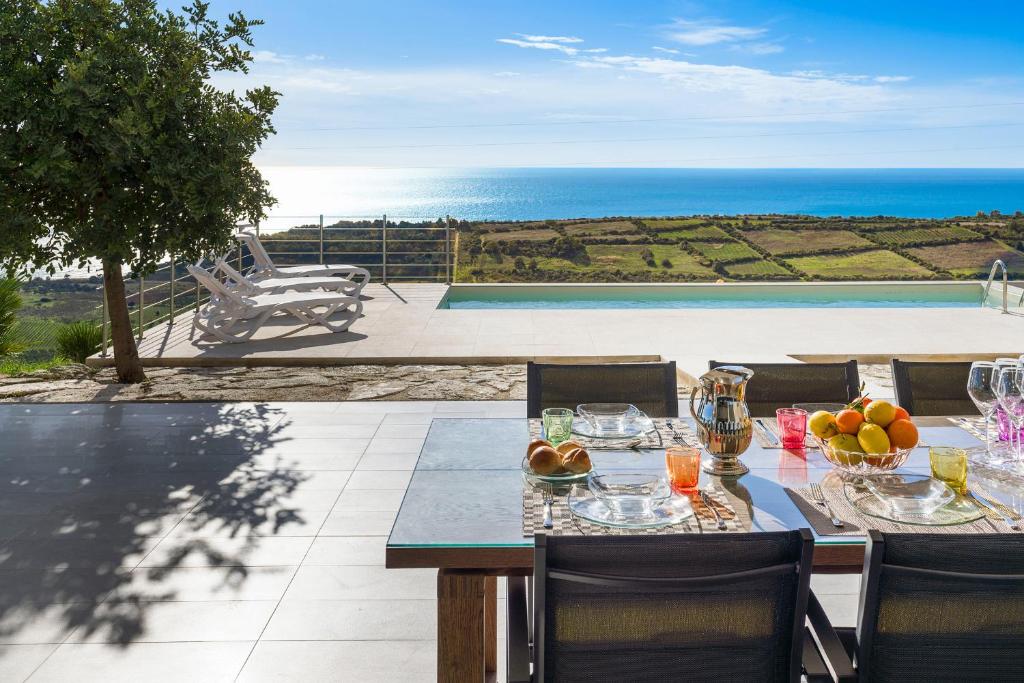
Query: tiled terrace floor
point(220, 542)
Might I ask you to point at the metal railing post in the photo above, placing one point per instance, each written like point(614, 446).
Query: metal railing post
point(384, 249)
point(321, 239)
point(142, 301)
point(448, 249)
point(173, 278)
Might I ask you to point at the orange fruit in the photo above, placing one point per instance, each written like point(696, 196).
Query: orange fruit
point(902, 433)
point(901, 414)
point(849, 421)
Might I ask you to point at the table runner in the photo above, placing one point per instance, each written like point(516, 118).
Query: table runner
point(858, 523)
point(661, 437)
point(568, 524)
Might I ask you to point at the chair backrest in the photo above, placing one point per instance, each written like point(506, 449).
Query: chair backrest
point(261, 259)
point(222, 265)
point(780, 385)
point(942, 607)
point(217, 290)
point(933, 388)
point(671, 608)
point(651, 387)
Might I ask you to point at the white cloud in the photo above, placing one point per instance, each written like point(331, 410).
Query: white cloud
point(666, 50)
point(706, 32)
point(759, 48)
point(314, 58)
point(268, 57)
point(540, 45)
point(891, 79)
point(507, 74)
point(550, 39)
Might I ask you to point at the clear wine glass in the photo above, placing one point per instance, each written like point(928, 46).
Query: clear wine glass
point(981, 389)
point(1011, 398)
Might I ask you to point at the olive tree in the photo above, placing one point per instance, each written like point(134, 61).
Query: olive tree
point(116, 148)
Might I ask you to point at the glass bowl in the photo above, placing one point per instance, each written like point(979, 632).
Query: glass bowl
point(856, 462)
point(909, 494)
point(630, 495)
point(557, 480)
point(608, 417)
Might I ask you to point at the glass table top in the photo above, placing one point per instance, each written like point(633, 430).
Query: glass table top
point(466, 490)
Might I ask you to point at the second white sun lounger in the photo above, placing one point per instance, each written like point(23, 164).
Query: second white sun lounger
point(227, 309)
point(279, 285)
point(264, 267)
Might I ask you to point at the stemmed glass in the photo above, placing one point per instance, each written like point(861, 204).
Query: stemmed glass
point(1011, 397)
point(981, 389)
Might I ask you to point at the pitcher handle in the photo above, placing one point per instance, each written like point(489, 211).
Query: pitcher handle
point(693, 397)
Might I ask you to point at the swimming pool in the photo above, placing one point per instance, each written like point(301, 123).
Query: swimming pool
point(724, 295)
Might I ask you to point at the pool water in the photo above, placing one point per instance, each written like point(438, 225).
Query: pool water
point(731, 295)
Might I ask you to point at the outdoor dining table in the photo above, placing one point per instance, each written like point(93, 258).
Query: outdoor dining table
point(463, 515)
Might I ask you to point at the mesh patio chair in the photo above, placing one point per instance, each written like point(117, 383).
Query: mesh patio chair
point(780, 385)
point(668, 608)
point(933, 388)
point(939, 607)
point(651, 387)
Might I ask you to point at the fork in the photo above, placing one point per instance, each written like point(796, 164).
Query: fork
point(708, 503)
point(819, 499)
point(549, 522)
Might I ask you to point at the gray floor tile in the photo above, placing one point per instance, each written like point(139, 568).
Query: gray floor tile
point(354, 620)
point(369, 500)
point(36, 624)
point(403, 431)
point(151, 662)
point(18, 661)
point(388, 461)
point(836, 584)
point(162, 622)
point(393, 445)
point(361, 583)
point(249, 551)
point(841, 609)
point(366, 662)
point(347, 550)
point(358, 523)
point(206, 583)
point(382, 479)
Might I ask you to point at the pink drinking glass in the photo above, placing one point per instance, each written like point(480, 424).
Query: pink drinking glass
point(792, 427)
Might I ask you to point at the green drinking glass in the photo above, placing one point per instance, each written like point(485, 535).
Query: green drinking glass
point(557, 424)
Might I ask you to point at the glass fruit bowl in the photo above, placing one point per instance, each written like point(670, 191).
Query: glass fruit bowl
point(857, 462)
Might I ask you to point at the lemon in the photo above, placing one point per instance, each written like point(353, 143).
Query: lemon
point(872, 438)
point(880, 413)
point(846, 449)
point(823, 424)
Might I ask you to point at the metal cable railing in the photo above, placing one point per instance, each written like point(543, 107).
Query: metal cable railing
point(389, 250)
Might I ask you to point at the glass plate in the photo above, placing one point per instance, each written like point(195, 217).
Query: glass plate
point(958, 511)
point(673, 511)
point(551, 479)
point(909, 493)
point(641, 425)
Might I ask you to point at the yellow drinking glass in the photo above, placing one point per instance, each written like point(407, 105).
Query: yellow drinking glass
point(949, 465)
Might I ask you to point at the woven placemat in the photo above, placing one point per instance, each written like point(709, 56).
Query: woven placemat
point(857, 523)
point(568, 524)
point(666, 432)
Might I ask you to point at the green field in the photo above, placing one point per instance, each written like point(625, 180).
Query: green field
point(766, 270)
point(788, 242)
point(627, 258)
point(708, 233)
point(726, 252)
point(865, 265)
point(941, 235)
point(972, 259)
point(598, 228)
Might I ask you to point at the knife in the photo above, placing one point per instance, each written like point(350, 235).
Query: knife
point(769, 434)
point(986, 505)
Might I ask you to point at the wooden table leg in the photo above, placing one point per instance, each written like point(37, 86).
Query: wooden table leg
point(491, 623)
point(461, 649)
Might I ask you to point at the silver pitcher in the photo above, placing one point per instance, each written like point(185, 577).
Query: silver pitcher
point(723, 419)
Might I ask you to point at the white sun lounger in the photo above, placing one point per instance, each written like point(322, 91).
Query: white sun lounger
point(278, 285)
point(264, 267)
point(227, 309)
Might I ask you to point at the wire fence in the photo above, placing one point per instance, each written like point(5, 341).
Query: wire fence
point(391, 250)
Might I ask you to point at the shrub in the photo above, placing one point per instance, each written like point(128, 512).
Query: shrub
point(665, 263)
point(10, 302)
point(78, 341)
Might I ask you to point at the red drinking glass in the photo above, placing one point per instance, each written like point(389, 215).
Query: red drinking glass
point(792, 427)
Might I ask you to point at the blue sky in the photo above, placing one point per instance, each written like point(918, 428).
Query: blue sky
point(598, 83)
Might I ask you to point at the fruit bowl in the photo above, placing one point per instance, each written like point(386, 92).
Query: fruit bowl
point(858, 462)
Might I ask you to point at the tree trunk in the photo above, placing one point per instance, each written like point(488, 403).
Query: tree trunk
point(126, 353)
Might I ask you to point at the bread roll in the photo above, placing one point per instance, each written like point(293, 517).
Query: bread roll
point(535, 444)
point(545, 460)
point(577, 461)
point(567, 447)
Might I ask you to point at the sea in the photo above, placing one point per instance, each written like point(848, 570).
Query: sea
point(516, 194)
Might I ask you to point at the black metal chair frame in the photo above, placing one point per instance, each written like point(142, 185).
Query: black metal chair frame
point(804, 655)
point(904, 387)
point(855, 644)
point(534, 383)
